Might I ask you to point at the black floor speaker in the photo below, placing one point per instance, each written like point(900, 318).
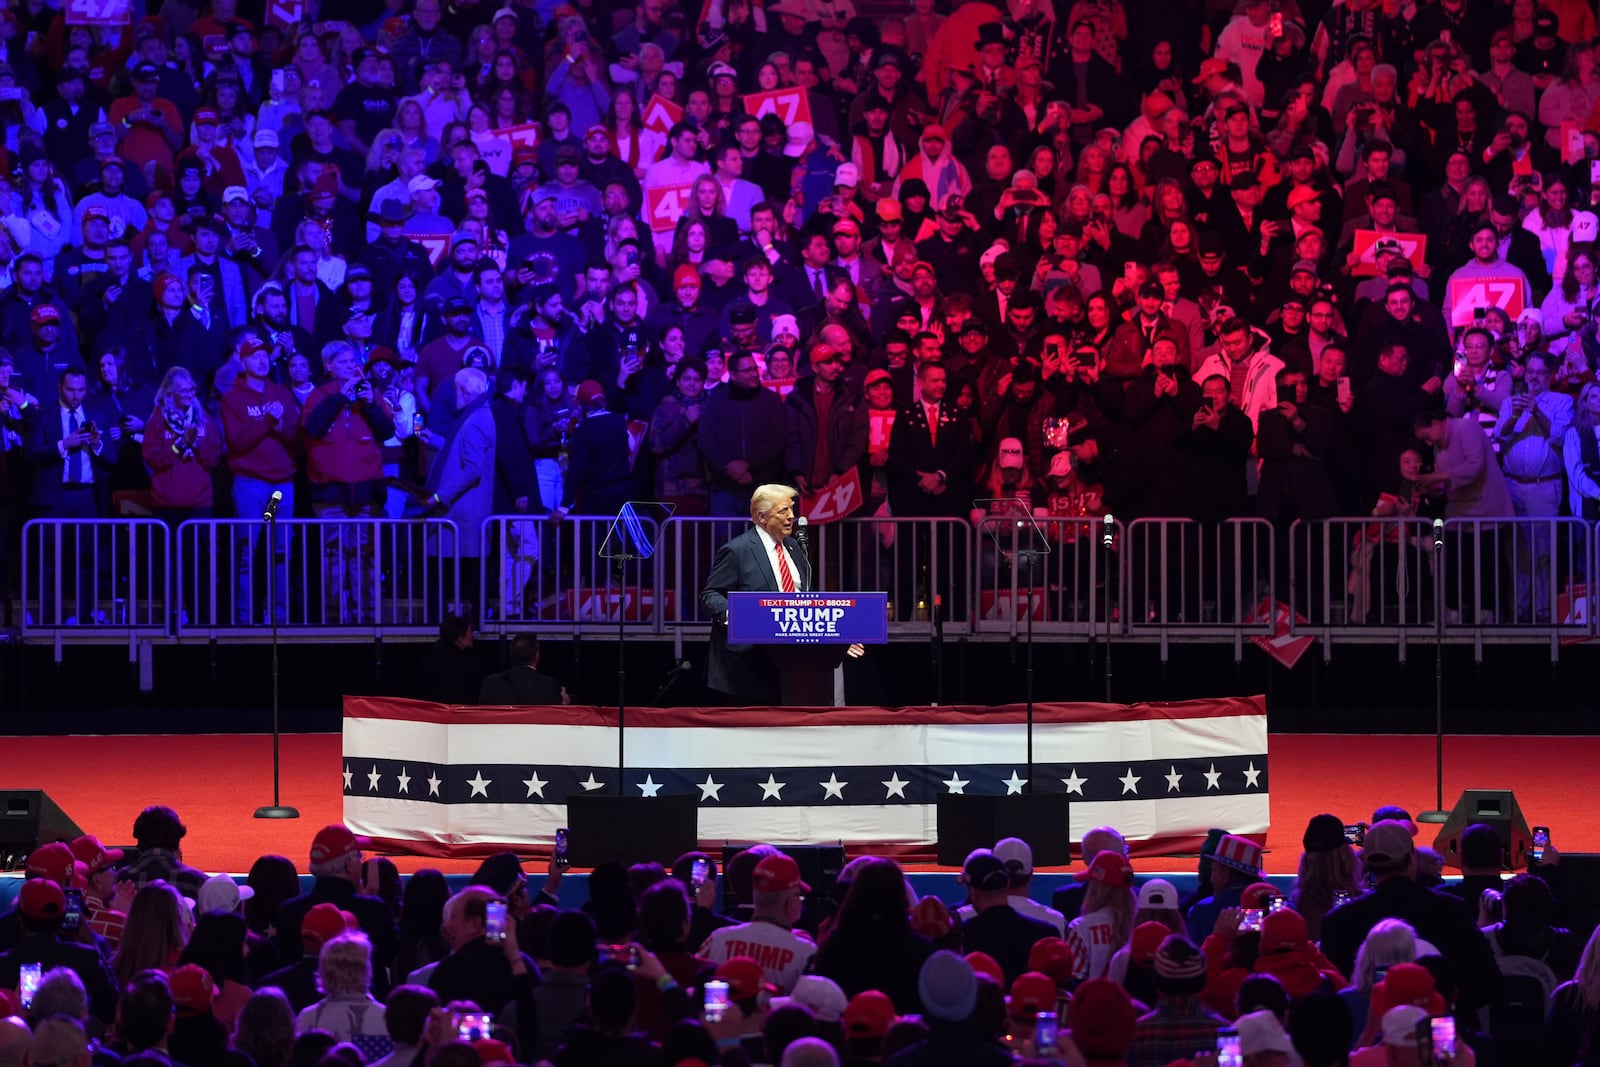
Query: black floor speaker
point(28, 819)
point(819, 868)
point(628, 830)
point(969, 822)
point(1496, 807)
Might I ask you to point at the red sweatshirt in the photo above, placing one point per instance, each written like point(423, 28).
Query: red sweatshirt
point(180, 479)
point(343, 439)
point(259, 445)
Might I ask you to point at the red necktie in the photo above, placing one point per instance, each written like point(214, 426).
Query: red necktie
point(785, 575)
point(933, 427)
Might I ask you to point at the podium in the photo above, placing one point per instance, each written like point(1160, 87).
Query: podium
point(806, 635)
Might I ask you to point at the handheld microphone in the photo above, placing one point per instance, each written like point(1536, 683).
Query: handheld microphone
point(1110, 529)
point(1438, 533)
point(272, 506)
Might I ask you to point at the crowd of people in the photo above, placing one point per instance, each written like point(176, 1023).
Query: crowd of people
point(1278, 258)
point(1369, 959)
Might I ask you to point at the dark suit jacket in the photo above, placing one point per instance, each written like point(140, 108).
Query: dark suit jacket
point(44, 435)
point(520, 685)
point(911, 450)
point(741, 565)
point(514, 475)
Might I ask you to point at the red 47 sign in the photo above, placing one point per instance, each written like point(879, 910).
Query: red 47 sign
point(665, 204)
point(1464, 295)
point(437, 244)
point(523, 136)
point(834, 501)
point(98, 13)
point(790, 105)
point(1414, 246)
point(661, 114)
point(284, 14)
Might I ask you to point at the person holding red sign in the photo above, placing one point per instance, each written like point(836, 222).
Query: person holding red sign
point(1487, 265)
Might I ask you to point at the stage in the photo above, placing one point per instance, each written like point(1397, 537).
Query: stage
point(217, 781)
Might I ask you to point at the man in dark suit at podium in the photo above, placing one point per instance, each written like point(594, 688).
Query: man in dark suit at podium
point(523, 684)
point(765, 558)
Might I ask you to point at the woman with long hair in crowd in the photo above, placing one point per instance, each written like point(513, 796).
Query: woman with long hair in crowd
point(182, 445)
point(217, 945)
point(412, 126)
point(1106, 921)
point(421, 912)
point(122, 391)
point(264, 1030)
point(1128, 211)
point(630, 141)
point(1327, 866)
point(1551, 223)
point(872, 944)
point(153, 937)
point(1567, 314)
point(41, 198)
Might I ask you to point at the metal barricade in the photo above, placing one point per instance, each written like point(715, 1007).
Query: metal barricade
point(1066, 591)
point(918, 562)
point(538, 572)
point(94, 579)
point(1516, 575)
point(1370, 577)
point(330, 576)
point(1202, 578)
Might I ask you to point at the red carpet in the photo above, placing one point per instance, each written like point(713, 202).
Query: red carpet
point(217, 781)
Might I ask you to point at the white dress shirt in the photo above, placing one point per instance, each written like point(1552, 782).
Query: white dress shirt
point(767, 544)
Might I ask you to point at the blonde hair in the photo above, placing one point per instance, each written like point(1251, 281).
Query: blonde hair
point(167, 393)
point(345, 965)
point(768, 498)
point(1391, 941)
point(1588, 976)
point(1120, 900)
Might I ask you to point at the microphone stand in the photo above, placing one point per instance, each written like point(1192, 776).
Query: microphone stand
point(673, 675)
point(1438, 814)
point(277, 809)
point(1107, 541)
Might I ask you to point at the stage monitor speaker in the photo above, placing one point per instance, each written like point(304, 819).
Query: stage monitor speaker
point(1495, 807)
point(969, 822)
point(628, 830)
point(819, 868)
point(28, 819)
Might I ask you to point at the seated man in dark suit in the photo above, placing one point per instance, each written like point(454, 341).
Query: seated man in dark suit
point(523, 684)
point(765, 558)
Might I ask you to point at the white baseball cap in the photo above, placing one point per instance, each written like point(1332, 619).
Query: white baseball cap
point(221, 893)
point(1011, 850)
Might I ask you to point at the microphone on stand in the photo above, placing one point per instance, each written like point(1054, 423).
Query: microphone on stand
point(272, 506)
point(1110, 534)
point(1438, 533)
point(682, 668)
point(801, 535)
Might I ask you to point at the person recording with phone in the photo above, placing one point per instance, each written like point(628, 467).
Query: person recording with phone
point(345, 424)
point(486, 964)
point(42, 910)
